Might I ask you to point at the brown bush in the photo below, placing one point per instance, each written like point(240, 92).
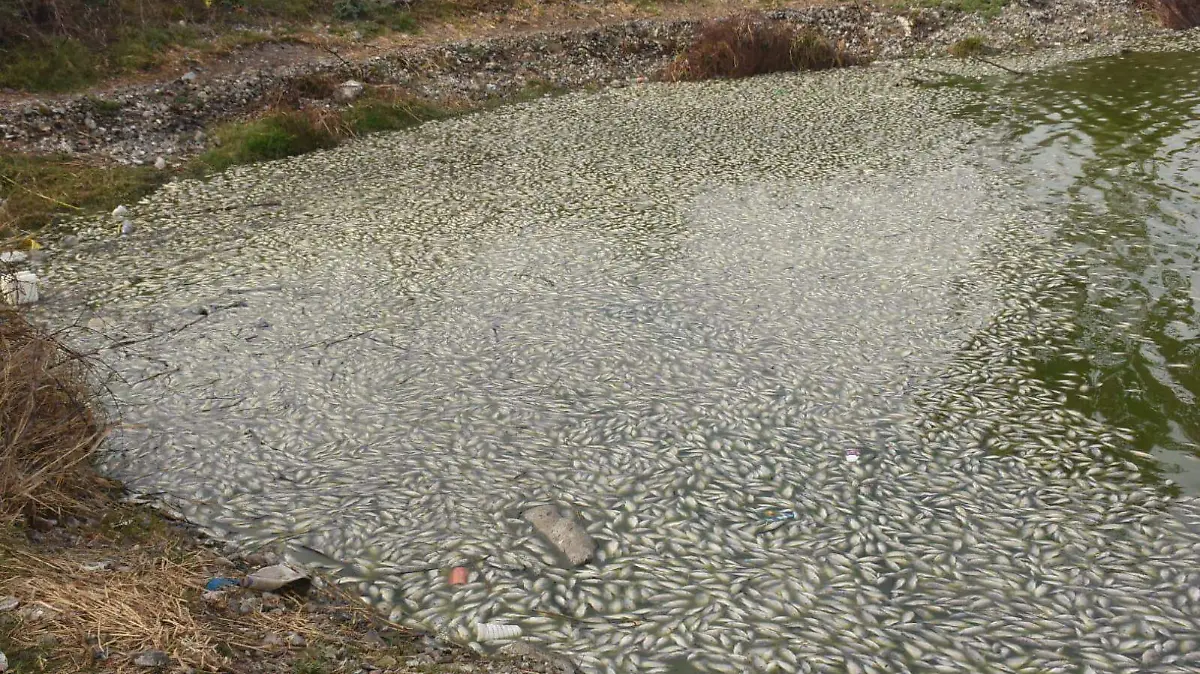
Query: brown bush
point(1178, 14)
point(48, 425)
point(748, 45)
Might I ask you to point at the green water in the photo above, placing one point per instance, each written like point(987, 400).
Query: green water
point(1114, 143)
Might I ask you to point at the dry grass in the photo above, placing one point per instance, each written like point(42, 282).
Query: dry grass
point(1178, 14)
point(48, 425)
point(973, 45)
point(752, 44)
point(35, 189)
point(150, 597)
point(121, 612)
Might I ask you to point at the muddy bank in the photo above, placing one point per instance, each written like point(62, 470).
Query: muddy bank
point(136, 124)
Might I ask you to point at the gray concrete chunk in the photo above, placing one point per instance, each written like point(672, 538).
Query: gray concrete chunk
point(564, 532)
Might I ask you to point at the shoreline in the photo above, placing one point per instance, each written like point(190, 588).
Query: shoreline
point(134, 124)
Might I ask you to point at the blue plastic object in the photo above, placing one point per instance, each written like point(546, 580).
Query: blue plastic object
point(221, 584)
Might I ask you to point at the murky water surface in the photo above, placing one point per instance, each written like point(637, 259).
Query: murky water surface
point(1115, 143)
point(680, 311)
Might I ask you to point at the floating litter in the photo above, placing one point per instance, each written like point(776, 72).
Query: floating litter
point(19, 288)
point(777, 514)
point(485, 632)
point(852, 455)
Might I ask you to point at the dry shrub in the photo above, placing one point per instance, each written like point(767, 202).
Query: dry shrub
point(1178, 14)
point(748, 45)
point(48, 425)
point(310, 86)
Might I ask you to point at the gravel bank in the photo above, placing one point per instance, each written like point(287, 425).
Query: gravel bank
point(137, 124)
point(769, 339)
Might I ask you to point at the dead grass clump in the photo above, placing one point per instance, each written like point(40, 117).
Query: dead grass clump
point(137, 585)
point(1178, 14)
point(752, 44)
point(109, 612)
point(968, 46)
point(311, 86)
point(48, 425)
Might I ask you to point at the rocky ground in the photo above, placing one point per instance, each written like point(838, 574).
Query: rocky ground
point(138, 123)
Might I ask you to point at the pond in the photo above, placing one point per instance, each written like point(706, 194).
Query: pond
point(843, 373)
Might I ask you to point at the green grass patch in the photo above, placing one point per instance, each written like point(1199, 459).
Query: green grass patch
point(37, 189)
point(276, 136)
point(103, 106)
point(374, 115)
point(144, 49)
point(71, 44)
point(967, 47)
point(56, 64)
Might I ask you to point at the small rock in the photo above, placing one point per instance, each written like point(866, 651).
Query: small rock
point(386, 662)
point(522, 649)
point(120, 211)
point(69, 241)
point(271, 600)
point(349, 90)
point(160, 163)
point(373, 639)
point(249, 605)
point(47, 640)
point(9, 603)
point(32, 613)
point(199, 137)
point(297, 640)
point(152, 658)
point(213, 596)
point(272, 639)
point(42, 523)
point(90, 123)
point(99, 654)
point(127, 228)
point(189, 76)
point(564, 532)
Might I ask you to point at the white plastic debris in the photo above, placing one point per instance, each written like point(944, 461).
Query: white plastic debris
point(160, 163)
point(278, 577)
point(19, 288)
point(13, 256)
point(349, 90)
point(127, 228)
point(851, 455)
point(120, 211)
point(3, 662)
point(485, 632)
